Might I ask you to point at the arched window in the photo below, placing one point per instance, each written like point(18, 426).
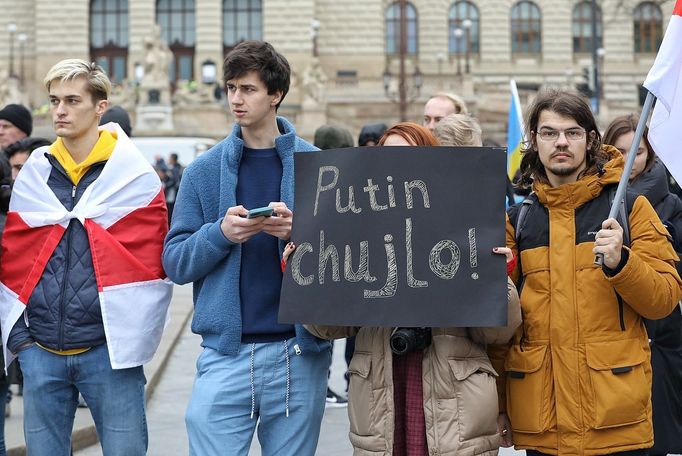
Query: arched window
point(242, 20)
point(582, 27)
point(109, 36)
point(178, 28)
point(648, 27)
point(526, 26)
point(393, 28)
point(461, 15)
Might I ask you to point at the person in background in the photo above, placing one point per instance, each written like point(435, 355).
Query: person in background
point(16, 123)
point(412, 404)
point(18, 153)
point(648, 178)
point(120, 116)
point(370, 134)
point(441, 105)
point(174, 170)
point(462, 130)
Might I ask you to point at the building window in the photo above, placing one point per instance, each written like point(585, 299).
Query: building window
point(582, 27)
point(463, 16)
point(648, 27)
point(109, 36)
point(177, 20)
point(242, 20)
point(526, 26)
point(393, 28)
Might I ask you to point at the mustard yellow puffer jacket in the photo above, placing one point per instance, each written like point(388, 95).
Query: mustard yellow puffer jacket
point(578, 377)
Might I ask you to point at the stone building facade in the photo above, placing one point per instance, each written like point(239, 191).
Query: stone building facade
point(352, 40)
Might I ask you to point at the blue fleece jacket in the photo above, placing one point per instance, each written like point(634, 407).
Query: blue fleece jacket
point(197, 251)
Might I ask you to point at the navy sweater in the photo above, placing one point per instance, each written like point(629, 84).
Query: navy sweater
point(260, 174)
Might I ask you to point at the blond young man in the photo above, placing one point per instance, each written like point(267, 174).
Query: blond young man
point(84, 235)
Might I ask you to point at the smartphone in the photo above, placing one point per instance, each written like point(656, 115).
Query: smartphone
point(260, 212)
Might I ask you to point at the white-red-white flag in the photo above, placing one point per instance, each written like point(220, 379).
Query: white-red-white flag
point(124, 214)
point(665, 82)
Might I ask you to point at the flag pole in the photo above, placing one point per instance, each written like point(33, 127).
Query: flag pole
point(629, 162)
point(517, 103)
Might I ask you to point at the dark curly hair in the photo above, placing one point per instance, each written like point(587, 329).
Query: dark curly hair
point(568, 104)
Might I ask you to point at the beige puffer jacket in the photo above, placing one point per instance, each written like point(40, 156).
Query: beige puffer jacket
point(460, 395)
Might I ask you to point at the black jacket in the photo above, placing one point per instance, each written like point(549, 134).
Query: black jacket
point(665, 335)
point(64, 310)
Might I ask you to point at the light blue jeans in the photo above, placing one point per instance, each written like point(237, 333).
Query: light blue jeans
point(259, 385)
point(115, 399)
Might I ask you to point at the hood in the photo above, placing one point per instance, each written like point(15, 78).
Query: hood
point(586, 188)
point(331, 137)
point(652, 183)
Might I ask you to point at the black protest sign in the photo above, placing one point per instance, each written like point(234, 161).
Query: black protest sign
point(398, 236)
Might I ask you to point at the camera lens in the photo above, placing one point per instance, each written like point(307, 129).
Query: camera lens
point(399, 344)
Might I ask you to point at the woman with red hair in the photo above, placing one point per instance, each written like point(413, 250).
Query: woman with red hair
point(439, 397)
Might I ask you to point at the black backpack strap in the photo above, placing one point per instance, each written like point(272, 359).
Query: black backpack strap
point(520, 224)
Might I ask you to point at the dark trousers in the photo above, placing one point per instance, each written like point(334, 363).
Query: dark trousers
point(622, 453)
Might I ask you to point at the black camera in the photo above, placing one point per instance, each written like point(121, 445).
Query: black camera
point(406, 340)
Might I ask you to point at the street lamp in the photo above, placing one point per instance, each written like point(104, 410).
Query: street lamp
point(458, 33)
point(12, 29)
point(601, 52)
point(314, 29)
point(466, 23)
point(22, 37)
point(208, 72)
point(440, 57)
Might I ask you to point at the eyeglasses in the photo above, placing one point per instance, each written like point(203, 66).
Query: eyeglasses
point(572, 134)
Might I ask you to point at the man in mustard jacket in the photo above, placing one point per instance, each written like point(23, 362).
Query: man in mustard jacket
point(578, 377)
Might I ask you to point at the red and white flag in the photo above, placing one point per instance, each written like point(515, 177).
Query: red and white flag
point(124, 214)
point(665, 82)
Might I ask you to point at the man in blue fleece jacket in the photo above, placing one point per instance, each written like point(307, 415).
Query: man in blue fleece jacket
point(252, 368)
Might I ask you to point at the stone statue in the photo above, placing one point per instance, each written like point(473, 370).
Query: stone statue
point(155, 84)
point(124, 95)
point(154, 112)
point(314, 82)
point(191, 93)
point(10, 90)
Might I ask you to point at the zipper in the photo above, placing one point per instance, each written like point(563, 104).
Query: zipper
point(62, 303)
point(434, 402)
point(621, 317)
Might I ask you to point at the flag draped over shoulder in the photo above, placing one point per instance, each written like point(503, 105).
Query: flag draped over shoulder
point(514, 133)
point(665, 82)
point(124, 215)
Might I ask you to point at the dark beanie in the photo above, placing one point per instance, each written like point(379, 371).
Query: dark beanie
point(18, 116)
point(330, 137)
point(120, 116)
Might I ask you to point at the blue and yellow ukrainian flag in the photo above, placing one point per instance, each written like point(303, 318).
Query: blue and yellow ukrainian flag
point(514, 132)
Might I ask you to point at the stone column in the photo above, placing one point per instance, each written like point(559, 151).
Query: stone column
point(141, 19)
point(209, 36)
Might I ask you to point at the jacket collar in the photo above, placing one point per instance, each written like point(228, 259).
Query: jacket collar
point(283, 143)
point(586, 188)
